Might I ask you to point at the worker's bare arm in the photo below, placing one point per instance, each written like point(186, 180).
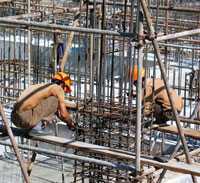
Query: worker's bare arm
point(63, 113)
point(71, 105)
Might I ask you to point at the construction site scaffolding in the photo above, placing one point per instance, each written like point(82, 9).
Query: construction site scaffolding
point(101, 40)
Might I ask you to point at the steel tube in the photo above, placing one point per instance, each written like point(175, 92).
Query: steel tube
point(180, 46)
point(139, 91)
point(119, 166)
point(170, 8)
point(178, 35)
point(181, 9)
point(91, 65)
point(63, 27)
point(56, 27)
point(29, 46)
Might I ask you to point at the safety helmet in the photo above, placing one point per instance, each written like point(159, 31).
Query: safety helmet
point(135, 73)
point(65, 78)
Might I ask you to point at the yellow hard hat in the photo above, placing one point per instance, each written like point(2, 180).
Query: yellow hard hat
point(65, 78)
point(135, 73)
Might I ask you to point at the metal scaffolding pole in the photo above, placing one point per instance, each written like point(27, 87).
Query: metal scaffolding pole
point(29, 46)
point(179, 9)
point(56, 28)
point(139, 89)
point(178, 35)
point(119, 166)
point(157, 52)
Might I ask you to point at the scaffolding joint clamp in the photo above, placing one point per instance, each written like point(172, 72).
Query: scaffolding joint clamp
point(151, 36)
point(141, 41)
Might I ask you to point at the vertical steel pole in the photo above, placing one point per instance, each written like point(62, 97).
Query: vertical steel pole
point(98, 63)
point(166, 32)
point(139, 91)
point(29, 46)
point(29, 57)
point(14, 145)
point(157, 52)
point(91, 65)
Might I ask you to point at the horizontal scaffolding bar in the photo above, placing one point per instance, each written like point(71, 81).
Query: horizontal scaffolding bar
point(110, 152)
point(170, 8)
point(5, 1)
point(178, 35)
point(119, 166)
point(56, 27)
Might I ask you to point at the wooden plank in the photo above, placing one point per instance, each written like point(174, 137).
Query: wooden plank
point(119, 154)
point(173, 129)
point(181, 157)
point(109, 152)
point(190, 121)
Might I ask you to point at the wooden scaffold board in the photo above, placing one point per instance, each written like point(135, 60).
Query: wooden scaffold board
point(173, 129)
point(120, 154)
point(172, 165)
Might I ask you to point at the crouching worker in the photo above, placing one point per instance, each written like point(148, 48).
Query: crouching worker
point(43, 100)
point(156, 100)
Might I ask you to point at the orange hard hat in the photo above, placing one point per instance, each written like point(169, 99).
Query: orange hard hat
point(135, 73)
point(65, 78)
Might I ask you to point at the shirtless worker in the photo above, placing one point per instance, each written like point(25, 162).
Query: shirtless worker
point(42, 100)
point(161, 106)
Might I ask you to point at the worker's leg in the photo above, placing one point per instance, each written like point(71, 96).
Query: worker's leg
point(22, 119)
point(159, 115)
point(47, 107)
point(169, 115)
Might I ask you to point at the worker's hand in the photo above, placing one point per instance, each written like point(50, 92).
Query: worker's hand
point(76, 108)
point(71, 124)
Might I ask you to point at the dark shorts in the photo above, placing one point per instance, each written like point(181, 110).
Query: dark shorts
point(29, 119)
point(161, 115)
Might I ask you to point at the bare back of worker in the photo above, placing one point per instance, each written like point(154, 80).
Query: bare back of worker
point(37, 102)
point(160, 95)
point(161, 108)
